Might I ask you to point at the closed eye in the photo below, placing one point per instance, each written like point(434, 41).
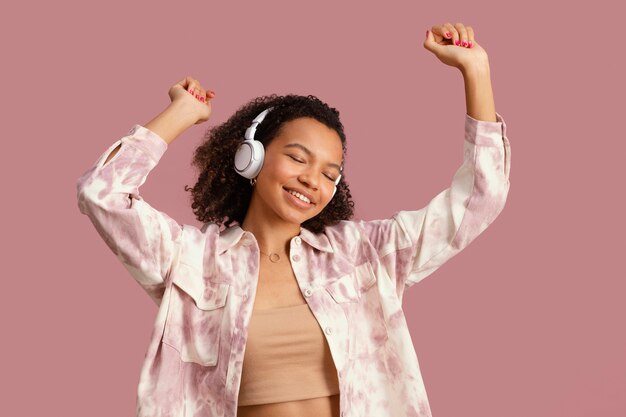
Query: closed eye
point(301, 161)
point(296, 159)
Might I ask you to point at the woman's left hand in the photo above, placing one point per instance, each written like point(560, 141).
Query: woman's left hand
point(455, 45)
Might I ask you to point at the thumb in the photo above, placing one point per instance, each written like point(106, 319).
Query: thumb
point(430, 43)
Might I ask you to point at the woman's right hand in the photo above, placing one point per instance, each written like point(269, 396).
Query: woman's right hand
point(189, 93)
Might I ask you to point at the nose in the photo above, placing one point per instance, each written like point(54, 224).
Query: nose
point(310, 178)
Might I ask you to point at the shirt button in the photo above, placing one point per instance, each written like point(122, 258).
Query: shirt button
point(308, 292)
point(329, 330)
point(298, 240)
point(296, 257)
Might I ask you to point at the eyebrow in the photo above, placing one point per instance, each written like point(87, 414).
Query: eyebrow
point(308, 152)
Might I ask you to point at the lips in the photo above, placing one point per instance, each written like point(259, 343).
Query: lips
point(304, 193)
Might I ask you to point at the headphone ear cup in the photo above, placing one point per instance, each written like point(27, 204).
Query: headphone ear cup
point(251, 153)
point(257, 158)
point(249, 158)
point(335, 189)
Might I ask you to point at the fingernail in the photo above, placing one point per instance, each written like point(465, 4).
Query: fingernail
point(457, 42)
point(448, 34)
point(470, 44)
point(464, 43)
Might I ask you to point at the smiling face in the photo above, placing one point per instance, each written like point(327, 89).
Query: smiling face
point(305, 157)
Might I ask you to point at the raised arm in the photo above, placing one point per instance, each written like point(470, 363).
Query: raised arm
point(144, 239)
point(414, 243)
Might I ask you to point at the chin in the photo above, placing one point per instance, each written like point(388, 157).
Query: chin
point(295, 218)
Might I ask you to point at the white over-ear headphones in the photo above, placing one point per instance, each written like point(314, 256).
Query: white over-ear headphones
point(250, 153)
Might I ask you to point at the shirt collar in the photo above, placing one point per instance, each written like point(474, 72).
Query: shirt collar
point(317, 240)
point(231, 236)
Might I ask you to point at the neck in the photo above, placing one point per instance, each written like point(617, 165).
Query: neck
point(272, 233)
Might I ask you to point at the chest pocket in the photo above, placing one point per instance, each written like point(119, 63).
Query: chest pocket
point(358, 296)
point(193, 325)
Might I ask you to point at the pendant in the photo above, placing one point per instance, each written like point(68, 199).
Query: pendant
point(274, 257)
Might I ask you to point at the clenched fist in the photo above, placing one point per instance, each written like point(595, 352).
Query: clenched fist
point(194, 97)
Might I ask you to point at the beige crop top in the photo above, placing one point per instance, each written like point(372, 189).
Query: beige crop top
point(286, 358)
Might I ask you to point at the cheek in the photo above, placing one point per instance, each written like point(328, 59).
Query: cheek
point(279, 172)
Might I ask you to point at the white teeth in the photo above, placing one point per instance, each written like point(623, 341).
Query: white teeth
point(300, 196)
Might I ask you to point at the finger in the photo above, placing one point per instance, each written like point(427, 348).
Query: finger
point(185, 81)
point(193, 85)
point(188, 84)
point(438, 33)
point(450, 31)
point(470, 35)
point(430, 42)
point(462, 41)
point(209, 97)
point(200, 94)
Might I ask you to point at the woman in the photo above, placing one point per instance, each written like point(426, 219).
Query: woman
point(280, 305)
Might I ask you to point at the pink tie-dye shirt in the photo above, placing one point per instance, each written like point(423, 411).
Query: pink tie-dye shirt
point(353, 276)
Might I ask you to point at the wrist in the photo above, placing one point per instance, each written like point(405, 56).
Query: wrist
point(476, 69)
point(171, 122)
point(183, 114)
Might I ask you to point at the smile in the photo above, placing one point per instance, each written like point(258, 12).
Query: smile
point(298, 199)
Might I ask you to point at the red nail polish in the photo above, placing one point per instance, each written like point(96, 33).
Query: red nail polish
point(457, 42)
point(469, 44)
point(448, 34)
point(464, 43)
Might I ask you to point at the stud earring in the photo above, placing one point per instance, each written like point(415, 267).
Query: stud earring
point(253, 181)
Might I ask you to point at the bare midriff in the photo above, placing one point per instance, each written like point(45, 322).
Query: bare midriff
point(312, 407)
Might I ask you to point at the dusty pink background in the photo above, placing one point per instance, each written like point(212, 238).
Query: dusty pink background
point(527, 321)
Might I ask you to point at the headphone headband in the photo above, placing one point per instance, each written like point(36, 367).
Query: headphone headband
point(257, 120)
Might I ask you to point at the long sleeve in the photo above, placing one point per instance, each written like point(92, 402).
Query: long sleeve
point(412, 244)
point(144, 239)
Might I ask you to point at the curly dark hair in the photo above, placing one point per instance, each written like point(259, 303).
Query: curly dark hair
point(222, 196)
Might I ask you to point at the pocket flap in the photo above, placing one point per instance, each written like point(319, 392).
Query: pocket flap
point(343, 290)
point(206, 295)
point(348, 288)
point(365, 276)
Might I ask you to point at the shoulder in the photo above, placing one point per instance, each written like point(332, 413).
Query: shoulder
point(347, 238)
point(196, 242)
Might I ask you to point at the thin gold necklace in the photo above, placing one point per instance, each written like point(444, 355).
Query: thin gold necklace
point(274, 257)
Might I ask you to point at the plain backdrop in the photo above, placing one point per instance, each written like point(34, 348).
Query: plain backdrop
point(527, 321)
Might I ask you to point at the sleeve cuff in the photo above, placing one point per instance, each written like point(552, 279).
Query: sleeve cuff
point(485, 133)
point(146, 140)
